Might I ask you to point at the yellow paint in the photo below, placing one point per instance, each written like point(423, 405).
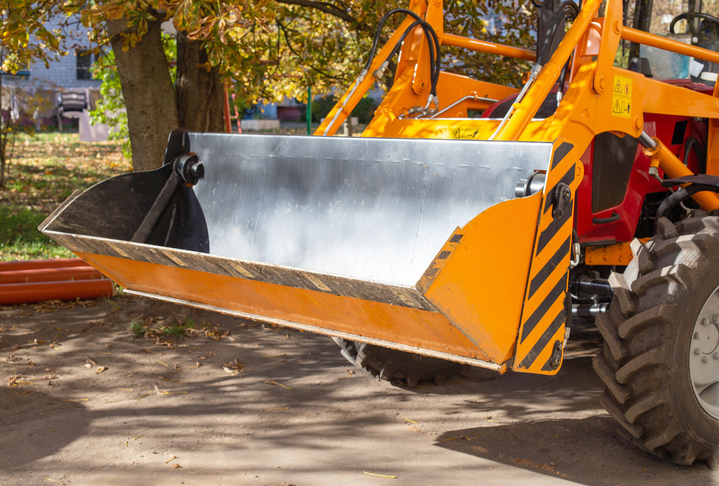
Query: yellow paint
point(481, 286)
point(413, 327)
point(621, 96)
point(617, 254)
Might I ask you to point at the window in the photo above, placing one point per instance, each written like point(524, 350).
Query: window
point(83, 58)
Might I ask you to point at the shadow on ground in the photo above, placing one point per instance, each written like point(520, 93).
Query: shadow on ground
point(296, 413)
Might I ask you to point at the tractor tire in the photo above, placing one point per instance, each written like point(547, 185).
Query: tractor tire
point(397, 367)
point(660, 360)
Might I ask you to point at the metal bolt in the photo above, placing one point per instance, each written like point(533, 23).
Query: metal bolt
point(638, 123)
point(704, 322)
point(697, 352)
point(705, 359)
point(697, 335)
point(616, 27)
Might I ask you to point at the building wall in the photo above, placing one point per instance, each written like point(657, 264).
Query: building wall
point(63, 72)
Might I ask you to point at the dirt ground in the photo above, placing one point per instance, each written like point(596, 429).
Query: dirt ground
point(290, 410)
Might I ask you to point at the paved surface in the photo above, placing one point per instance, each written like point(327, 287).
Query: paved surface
point(296, 413)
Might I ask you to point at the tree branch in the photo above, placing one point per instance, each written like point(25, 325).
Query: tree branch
point(287, 40)
point(325, 7)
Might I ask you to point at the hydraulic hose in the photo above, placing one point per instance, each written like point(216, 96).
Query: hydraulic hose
point(567, 10)
point(398, 46)
point(432, 40)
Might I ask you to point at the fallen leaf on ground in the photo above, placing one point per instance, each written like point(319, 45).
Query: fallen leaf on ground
point(46, 377)
point(410, 421)
point(473, 438)
point(170, 459)
point(379, 475)
point(275, 408)
point(163, 364)
point(126, 389)
point(271, 382)
point(100, 369)
point(234, 367)
point(176, 466)
point(479, 449)
point(163, 392)
point(89, 363)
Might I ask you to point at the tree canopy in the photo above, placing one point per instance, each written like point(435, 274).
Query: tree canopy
point(263, 49)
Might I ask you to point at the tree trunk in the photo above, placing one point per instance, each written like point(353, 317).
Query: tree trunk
point(199, 91)
point(148, 92)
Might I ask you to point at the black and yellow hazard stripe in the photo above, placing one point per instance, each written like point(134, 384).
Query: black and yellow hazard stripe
point(540, 340)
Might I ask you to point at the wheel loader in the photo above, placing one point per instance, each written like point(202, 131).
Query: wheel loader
point(590, 193)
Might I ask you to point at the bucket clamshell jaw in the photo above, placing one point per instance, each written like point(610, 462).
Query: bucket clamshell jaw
point(415, 244)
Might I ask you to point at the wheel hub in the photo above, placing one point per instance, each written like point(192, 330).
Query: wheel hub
point(704, 356)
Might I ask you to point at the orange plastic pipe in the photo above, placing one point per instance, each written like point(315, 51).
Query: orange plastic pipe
point(33, 264)
point(490, 47)
point(85, 272)
point(26, 293)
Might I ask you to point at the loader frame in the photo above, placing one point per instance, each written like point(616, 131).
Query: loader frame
point(599, 98)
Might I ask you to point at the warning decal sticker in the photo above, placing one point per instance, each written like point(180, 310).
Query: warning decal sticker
point(621, 96)
point(460, 132)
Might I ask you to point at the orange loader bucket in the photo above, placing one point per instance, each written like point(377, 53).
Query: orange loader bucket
point(420, 245)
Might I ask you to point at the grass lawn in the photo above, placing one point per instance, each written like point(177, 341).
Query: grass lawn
point(43, 172)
